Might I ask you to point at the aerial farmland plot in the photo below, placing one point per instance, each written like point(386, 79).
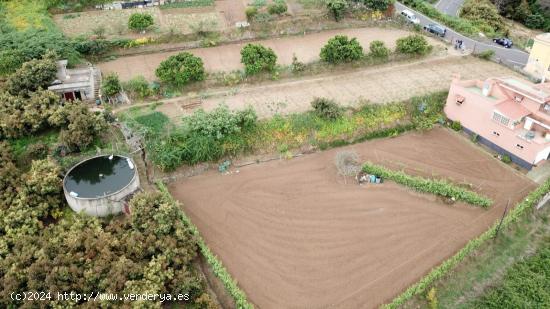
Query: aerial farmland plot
point(295, 234)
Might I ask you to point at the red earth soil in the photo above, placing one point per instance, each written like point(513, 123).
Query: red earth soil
point(294, 234)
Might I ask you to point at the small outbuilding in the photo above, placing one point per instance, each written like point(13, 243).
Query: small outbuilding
point(77, 84)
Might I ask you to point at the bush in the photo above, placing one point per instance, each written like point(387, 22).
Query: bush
point(413, 44)
point(10, 61)
point(337, 8)
point(139, 87)
point(220, 122)
point(455, 125)
point(257, 58)
point(297, 66)
point(250, 12)
point(181, 69)
point(340, 49)
point(433, 186)
point(535, 21)
point(487, 54)
point(110, 85)
point(326, 108)
point(378, 50)
point(378, 5)
point(278, 7)
point(140, 22)
point(506, 159)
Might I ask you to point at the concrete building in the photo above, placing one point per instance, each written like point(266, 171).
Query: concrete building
point(538, 64)
point(77, 84)
point(508, 115)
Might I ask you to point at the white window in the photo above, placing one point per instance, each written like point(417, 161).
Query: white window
point(501, 119)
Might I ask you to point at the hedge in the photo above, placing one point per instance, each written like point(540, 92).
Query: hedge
point(434, 186)
point(420, 287)
point(241, 302)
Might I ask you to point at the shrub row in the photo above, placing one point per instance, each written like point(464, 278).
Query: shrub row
point(521, 208)
point(219, 270)
point(434, 186)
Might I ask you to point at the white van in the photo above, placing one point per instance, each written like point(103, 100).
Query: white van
point(410, 17)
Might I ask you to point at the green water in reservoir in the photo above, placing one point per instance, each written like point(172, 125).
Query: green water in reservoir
point(99, 176)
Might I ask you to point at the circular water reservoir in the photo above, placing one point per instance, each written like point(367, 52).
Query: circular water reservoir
point(99, 186)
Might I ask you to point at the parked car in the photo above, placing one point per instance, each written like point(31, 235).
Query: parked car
point(504, 42)
point(410, 17)
point(436, 29)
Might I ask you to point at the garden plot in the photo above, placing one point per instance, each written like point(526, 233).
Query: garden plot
point(295, 234)
point(114, 23)
point(228, 57)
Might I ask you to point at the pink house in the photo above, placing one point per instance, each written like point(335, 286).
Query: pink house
point(509, 115)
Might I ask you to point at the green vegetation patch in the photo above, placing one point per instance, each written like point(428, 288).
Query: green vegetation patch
point(187, 4)
point(434, 186)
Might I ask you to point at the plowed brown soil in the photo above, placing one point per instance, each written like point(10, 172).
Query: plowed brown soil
point(296, 235)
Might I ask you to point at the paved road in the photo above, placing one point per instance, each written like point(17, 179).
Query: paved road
point(449, 7)
point(508, 56)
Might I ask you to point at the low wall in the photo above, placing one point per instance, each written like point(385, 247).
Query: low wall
point(517, 160)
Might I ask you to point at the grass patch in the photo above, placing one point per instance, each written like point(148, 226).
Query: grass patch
point(28, 14)
point(19, 146)
point(434, 186)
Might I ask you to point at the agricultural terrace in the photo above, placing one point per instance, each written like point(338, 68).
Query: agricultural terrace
point(295, 234)
point(114, 23)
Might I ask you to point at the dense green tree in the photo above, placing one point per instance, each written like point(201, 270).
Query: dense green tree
point(83, 126)
point(341, 49)
point(484, 14)
point(181, 69)
point(140, 21)
point(413, 44)
point(535, 21)
point(257, 58)
point(42, 189)
point(21, 116)
point(33, 75)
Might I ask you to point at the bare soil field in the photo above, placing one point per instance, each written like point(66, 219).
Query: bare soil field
point(296, 235)
point(114, 23)
point(388, 83)
point(228, 57)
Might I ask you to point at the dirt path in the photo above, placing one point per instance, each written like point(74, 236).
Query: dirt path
point(294, 235)
point(378, 85)
point(228, 57)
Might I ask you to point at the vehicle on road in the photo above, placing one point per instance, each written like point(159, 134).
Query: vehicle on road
point(410, 17)
point(504, 42)
point(436, 29)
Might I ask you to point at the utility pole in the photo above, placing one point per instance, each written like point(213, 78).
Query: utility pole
point(502, 219)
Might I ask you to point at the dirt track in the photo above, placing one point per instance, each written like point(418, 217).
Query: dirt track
point(228, 57)
point(383, 84)
point(294, 235)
